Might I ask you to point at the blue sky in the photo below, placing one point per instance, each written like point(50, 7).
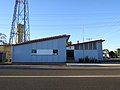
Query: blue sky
point(100, 19)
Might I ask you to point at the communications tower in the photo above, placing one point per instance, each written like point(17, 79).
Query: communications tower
point(20, 29)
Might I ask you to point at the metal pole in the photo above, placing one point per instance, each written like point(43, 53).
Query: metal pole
point(24, 20)
point(83, 43)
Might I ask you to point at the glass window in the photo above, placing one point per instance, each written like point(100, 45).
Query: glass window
point(34, 51)
point(55, 52)
point(81, 46)
point(77, 47)
point(94, 45)
point(90, 46)
point(86, 46)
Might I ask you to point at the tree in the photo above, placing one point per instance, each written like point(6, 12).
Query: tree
point(69, 43)
point(3, 39)
point(112, 54)
point(118, 52)
point(106, 51)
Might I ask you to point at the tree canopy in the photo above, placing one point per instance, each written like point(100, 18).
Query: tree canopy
point(3, 39)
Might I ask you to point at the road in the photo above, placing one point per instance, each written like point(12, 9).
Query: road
point(59, 83)
point(99, 78)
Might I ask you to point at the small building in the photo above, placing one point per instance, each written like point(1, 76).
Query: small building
point(5, 53)
point(45, 50)
point(90, 49)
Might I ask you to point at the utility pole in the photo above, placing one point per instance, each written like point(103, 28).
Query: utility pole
point(83, 43)
point(20, 28)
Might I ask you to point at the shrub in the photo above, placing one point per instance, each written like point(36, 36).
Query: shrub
point(88, 60)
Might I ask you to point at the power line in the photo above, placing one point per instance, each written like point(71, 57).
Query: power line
point(68, 24)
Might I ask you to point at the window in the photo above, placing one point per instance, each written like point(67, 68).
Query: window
point(44, 52)
point(90, 46)
point(77, 47)
point(86, 46)
point(94, 46)
point(34, 51)
point(55, 52)
point(81, 46)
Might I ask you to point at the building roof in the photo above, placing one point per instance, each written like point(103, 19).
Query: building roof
point(88, 42)
point(44, 39)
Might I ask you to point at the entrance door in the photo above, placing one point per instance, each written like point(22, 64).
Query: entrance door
point(70, 55)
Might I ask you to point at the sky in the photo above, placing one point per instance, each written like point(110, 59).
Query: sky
point(88, 19)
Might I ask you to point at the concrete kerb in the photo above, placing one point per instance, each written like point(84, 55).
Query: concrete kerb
point(89, 64)
point(68, 66)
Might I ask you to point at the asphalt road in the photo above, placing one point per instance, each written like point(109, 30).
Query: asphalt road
point(60, 72)
point(68, 79)
point(59, 83)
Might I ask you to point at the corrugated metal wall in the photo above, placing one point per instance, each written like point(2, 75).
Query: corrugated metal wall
point(22, 53)
point(97, 54)
point(86, 53)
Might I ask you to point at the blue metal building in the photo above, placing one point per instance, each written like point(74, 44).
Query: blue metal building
point(51, 49)
point(90, 49)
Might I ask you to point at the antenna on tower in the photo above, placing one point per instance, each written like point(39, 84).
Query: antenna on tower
point(20, 29)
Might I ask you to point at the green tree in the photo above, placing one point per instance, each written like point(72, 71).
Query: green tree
point(112, 54)
point(3, 39)
point(69, 43)
point(106, 50)
point(118, 51)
